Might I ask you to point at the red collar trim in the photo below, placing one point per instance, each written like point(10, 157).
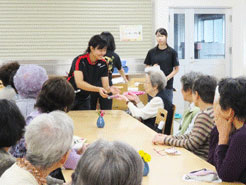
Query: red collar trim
point(87, 56)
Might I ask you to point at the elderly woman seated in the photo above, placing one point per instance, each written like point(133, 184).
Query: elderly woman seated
point(109, 163)
point(28, 82)
point(189, 115)
point(155, 83)
point(227, 145)
point(46, 152)
point(12, 126)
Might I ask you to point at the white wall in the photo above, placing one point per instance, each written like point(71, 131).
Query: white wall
point(238, 7)
point(238, 38)
point(60, 29)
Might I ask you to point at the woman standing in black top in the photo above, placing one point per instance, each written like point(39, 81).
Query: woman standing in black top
point(113, 60)
point(166, 57)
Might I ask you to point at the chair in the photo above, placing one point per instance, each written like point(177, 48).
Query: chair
point(122, 86)
point(118, 104)
point(143, 98)
point(161, 116)
point(134, 80)
point(1, 84)
point(174, 110)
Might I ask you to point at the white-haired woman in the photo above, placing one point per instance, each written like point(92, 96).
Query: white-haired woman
point(109, 163)
point(155, 83)
point(45, 152)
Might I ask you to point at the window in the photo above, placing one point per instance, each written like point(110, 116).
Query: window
point(209, 36)
point(179, 35)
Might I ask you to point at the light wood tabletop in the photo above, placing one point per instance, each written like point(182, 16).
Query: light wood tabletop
point(164, 169)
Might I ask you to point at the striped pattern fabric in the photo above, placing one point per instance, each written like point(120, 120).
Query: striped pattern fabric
point(58, 30)
point(197, 141)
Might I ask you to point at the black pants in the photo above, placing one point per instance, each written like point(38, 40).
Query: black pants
point(81, 103)
point(105, 103)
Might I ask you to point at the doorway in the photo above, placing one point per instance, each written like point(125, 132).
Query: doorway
point(202, 39)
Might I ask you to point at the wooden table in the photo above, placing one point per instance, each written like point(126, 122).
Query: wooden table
point(120, 126)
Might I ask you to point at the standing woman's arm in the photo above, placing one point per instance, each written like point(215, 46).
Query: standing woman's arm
point(80, 83)
point(105, 84)
point(173, 73)
point(122, 73)
point(117, 64)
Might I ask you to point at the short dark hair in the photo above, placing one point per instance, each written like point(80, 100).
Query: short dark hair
point(96, 42)
point(188, 79)
point(233, 95)
point(7, 71)
point(110, 40)
point(56, 94)
point(109, 163)
point(162, 31)
point(205, 86)
point(12, 123)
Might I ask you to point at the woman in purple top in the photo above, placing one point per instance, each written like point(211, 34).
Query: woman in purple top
point(228, 154)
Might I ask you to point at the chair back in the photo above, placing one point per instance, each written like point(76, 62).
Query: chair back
point(161, 116)
point(1, 84)
point(143, 98)
point(118, 104)
point(174, 110)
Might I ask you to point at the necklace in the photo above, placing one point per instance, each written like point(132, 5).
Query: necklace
point(23, 163)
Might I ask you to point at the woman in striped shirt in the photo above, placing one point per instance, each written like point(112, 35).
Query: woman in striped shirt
point(197, 141)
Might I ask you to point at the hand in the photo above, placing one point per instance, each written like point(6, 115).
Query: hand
point(122, 97)
point(102, 92)
point(83, 148)
point(133, 97)
point(159, 139)
point(224, 127)
point(114, 90)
